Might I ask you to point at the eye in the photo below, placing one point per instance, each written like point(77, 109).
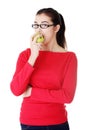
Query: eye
point(44, 25)
point(35, 26)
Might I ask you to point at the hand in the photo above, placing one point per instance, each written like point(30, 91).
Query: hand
point(27, 93)
point(35, 47)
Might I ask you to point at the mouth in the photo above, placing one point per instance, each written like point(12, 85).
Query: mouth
point(40, 37)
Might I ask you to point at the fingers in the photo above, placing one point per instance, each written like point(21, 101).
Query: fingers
point(34, 45)
point(27, 93)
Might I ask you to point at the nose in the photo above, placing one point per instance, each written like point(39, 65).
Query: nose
point(39, 29)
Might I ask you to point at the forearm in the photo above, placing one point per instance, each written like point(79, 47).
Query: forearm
point(20, 80)
point(54, 96)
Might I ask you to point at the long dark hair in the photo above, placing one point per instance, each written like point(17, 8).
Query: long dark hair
point(56, 18)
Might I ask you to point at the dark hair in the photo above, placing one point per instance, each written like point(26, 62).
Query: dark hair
point(56, 18)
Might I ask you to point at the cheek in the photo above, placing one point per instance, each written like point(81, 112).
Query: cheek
point(49, 35)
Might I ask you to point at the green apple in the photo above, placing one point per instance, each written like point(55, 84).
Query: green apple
point(40, 39)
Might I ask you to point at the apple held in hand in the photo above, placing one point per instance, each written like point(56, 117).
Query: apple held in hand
point(40, 39)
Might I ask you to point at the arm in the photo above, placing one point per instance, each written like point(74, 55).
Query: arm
point(67, 91)
point(24, 68)
point(22, 74)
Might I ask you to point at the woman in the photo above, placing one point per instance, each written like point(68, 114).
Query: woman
point(47, 74)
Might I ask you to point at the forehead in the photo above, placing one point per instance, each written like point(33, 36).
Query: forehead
point(42, 17)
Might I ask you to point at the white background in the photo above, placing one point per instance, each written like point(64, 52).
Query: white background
point(16, 17)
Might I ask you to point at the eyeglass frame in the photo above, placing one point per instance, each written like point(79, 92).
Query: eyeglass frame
point(40, 25)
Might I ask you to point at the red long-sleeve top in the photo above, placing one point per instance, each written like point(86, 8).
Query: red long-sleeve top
point(53, 80)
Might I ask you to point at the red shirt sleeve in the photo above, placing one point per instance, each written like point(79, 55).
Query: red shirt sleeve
point(22, 74)
point(67, 91)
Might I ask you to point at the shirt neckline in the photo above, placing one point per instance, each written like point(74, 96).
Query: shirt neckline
point(52, 52)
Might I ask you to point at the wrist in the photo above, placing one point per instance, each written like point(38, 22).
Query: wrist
point(31, 61)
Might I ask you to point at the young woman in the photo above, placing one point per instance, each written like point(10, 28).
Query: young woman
point(46, 73)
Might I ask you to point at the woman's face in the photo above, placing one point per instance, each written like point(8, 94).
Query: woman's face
point(49, 32)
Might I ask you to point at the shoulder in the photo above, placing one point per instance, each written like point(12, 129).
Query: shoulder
point(72, 54)
point(26, 51)
point(24, 54)
point(73, 58)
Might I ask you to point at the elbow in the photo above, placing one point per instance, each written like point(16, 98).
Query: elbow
point(16, 93)
point(14, 90)
point(69, 99)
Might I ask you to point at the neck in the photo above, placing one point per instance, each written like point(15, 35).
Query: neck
point(54, 47)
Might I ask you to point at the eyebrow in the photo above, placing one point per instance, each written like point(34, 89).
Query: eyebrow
point(41, 22)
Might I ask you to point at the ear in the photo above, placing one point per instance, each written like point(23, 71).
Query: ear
point(57, 28)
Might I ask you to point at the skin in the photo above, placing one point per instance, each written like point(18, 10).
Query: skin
point(50, 43)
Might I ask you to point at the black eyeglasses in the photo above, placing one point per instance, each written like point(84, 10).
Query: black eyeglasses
point(43, 26)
